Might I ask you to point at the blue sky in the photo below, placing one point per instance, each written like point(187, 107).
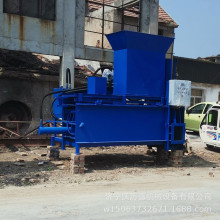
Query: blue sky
point(198, 34)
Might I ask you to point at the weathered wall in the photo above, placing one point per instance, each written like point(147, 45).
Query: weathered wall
point(95, 39)
point(29, 92)
point(32, 34)
point(93, 24)
point(168, 31)
point(210, 91)
point(50, 37)
point(204, 75)
point(198, 71)
point(36, 35)
point(63, 37)
point(59, 37)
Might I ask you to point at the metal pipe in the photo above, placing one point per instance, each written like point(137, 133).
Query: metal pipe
point(53, 130)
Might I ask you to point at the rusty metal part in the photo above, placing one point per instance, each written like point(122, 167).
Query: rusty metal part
point(25, 142)
point(8, 130)
point(17, 133)
point(22, 122)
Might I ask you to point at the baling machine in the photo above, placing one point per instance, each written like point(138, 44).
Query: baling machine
point(144, 106)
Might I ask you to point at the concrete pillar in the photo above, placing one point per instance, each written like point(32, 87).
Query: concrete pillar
point(149, 16)
point(69, 37)
point(154, 16)
point(80, 23)
point(145, 16)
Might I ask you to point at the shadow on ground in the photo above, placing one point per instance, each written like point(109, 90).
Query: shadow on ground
point(197, 161)
point(115, 161)
point(213, 149)
point(26, 174)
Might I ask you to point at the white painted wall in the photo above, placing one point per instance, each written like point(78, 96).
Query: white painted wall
point(210, 91)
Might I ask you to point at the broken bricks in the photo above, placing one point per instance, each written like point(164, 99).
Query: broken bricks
point(77, 163)
point(176, 158)
point(53, 153)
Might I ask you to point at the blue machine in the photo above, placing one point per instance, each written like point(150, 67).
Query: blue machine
point(135, 112)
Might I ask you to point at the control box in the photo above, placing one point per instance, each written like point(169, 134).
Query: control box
point(179, 93)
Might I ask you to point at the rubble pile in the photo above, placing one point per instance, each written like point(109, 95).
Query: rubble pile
point(28, 62)
point(20, 64)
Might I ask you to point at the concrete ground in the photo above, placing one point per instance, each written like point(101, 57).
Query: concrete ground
point(191, 192)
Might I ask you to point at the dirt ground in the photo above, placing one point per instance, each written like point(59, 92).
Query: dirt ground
point(22, 166)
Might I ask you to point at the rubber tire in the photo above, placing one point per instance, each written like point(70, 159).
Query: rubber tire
point(210, 147)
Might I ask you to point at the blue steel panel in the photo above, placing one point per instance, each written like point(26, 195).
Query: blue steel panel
point(57, 109)
point(145, 76)
point(97, 85)
point(182, 141)
point(141, 41)
point(139, 63)
point(137, 73)
point(115, 124)
point(120, 72)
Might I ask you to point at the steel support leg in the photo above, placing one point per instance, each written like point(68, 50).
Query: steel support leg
point(77, 149)
point(53, 141)
point(63, 147)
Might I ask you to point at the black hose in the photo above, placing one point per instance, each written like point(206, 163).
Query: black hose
point(57, 92)
point(68, 77)
point(42, 102)
point(41, 107)
point(31, 131)
point(110, 83)
point(102, 68)
point(51, 110)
